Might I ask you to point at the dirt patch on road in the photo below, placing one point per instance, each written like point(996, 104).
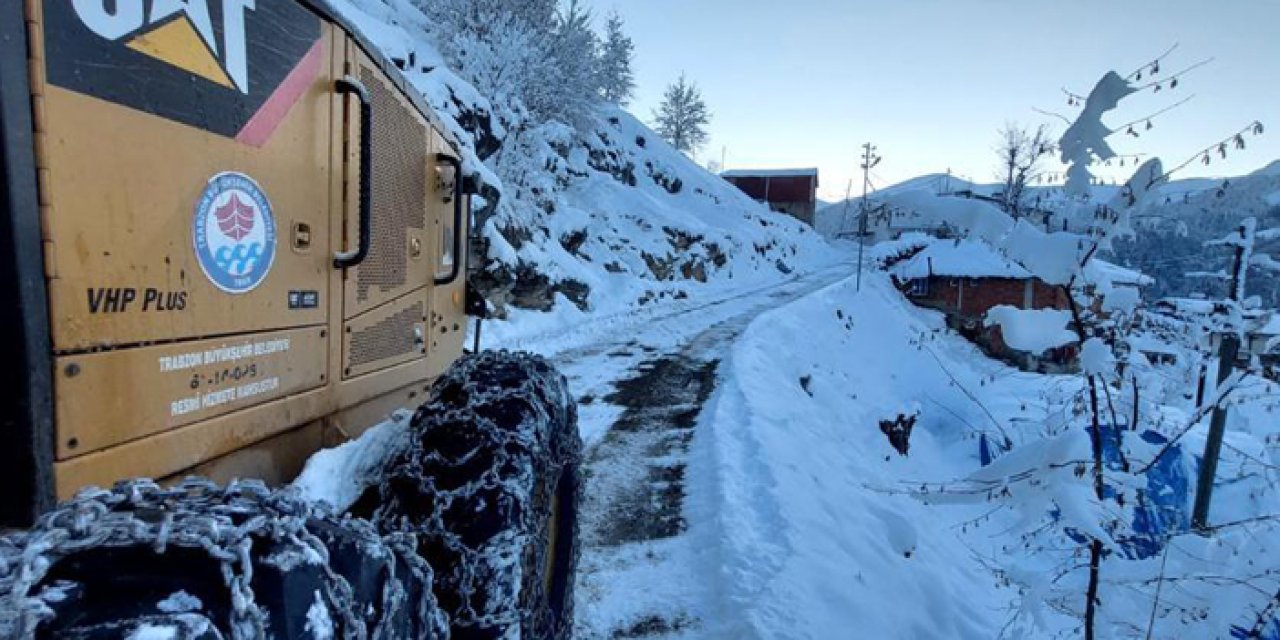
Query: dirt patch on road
point(653, 434)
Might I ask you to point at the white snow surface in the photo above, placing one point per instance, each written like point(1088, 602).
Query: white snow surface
point(180, 602)
point(154, 632)
point(1096, 358)
point(801, 505)
point(1032, 330)
point(964, 258)
point(993, 244)
point(771, 173)
point(336, 475)
point(319, 622)
point(628, 228)
point(798, 498)
point(804, 523)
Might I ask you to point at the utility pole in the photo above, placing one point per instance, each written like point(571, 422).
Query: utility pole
point(1227, 351)
point(869, 160)
point(844, 214)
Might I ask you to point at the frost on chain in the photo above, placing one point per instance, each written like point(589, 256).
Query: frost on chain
point(484, 455)
point(193, 532)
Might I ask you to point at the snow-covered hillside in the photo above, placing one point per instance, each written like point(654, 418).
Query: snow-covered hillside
point(820, 529)
point(1172, 225)
point(624, 220)
point(814, 535)
point(593, 218)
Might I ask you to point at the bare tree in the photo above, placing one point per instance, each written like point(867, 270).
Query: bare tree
point(1021, 151)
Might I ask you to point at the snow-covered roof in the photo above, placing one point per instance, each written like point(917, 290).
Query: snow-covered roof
point(1147, 344)
point(1098, 270)
point(770, 173)
point(1189, 306)
point(966, 258)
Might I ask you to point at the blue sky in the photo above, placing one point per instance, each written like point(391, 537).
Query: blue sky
point(805, 83)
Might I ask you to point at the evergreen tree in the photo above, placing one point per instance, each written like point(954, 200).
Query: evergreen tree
point(682, 117)
point(617, 83)
point(572, 86)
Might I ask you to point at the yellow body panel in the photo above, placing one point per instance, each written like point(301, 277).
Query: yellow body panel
point(122, 197)
point(169, 354)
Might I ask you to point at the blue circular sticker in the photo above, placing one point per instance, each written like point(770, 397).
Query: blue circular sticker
point(234, 232)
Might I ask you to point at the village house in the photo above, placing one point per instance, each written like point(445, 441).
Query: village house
point(1157, 352)
point(1261, 329)
point(890, 222)
point(965, 279)
point(790, 191)
point(1264, 342)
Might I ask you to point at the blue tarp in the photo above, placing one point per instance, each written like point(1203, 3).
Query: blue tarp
point(1163, 506)
point(1269, 632)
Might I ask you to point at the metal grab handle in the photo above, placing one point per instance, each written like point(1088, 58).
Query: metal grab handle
point(459, 233)
point(346, 259)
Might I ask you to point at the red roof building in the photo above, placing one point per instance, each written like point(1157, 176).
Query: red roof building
point(790, 191)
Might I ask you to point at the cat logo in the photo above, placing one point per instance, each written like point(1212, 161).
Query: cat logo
point(230, 67)
point(181, 33)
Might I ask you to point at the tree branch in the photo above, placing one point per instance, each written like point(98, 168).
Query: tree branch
point(1254, 127)
point(1179, 74)
point(1163, 111)
point(1220, 395)
point(1052, 114)
point(1151, 64)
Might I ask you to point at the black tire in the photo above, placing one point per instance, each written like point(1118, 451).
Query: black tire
point(252, 563)
point(489, 484)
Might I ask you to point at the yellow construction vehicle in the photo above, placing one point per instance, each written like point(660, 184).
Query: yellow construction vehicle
point(232, 235)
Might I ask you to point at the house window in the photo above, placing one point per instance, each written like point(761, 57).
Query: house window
point(918, 287)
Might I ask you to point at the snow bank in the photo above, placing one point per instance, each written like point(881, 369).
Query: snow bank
point(1033, 330)
point(339, 475)
point(815, 528)
point(812, 534)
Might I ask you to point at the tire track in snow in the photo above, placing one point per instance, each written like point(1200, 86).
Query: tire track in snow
point(639, 576)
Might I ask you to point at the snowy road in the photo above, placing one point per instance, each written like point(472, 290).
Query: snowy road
point(641, 387)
